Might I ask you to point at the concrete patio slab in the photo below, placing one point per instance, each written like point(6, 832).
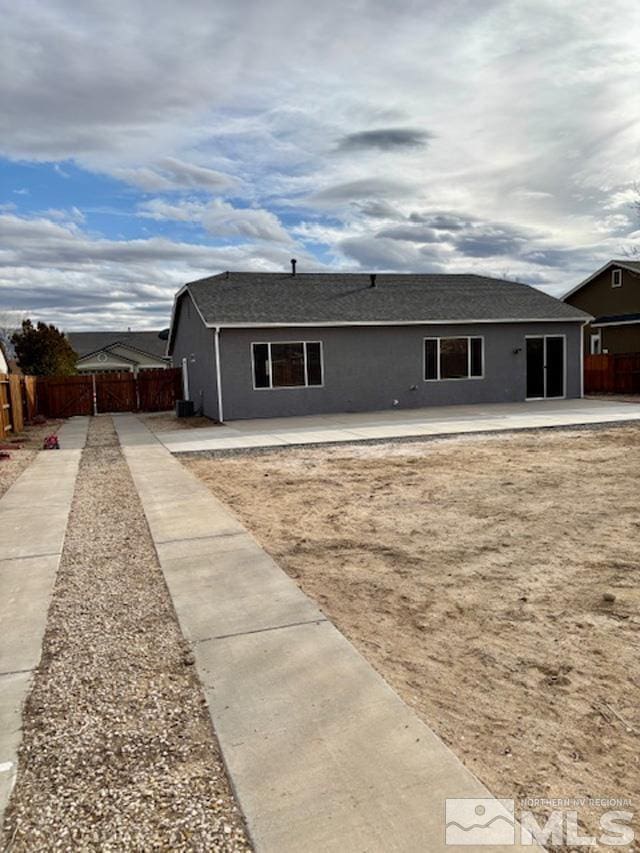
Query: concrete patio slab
point(247, 590)
point(405, 423)
point(351, 767)
point(33, 520)
point(322, 754)
point(14, 687)
point(25, 592)
point(72, 435)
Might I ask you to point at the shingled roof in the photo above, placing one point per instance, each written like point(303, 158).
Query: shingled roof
point(148, 342)
point(256, 299)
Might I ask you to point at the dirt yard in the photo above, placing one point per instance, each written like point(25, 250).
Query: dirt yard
point(494, 582)
point(22, 450)
point(166, 421)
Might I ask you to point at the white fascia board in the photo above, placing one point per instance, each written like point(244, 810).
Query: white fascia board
point(112, 358)
point(184, 289)
point(322, 325)
point(173, 320)
point(617, 323)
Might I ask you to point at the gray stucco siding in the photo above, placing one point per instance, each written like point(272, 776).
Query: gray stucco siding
point(367, 368)
point(195, 342)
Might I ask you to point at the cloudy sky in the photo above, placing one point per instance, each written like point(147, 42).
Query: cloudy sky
point(145, 144)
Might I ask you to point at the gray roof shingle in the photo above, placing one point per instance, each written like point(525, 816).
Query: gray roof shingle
point(247, 298)
point(86, 342)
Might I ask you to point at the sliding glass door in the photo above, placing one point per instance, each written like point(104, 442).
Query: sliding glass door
point(545, 367)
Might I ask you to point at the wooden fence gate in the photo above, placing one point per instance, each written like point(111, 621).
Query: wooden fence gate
point(612, 373)
point(115, 392)
point(149, 391)
point(65, 396)
point(158, 390)
point(17, 403)
point(5, 406)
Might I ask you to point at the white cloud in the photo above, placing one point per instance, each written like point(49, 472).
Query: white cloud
point(174, 175)
point(181, 211)
point(363, 188)
point(71, 215)
point(224, 220)
point(219, 218)
point(512, 125)
point(57, 271)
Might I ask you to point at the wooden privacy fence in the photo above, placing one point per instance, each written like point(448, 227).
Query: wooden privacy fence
point(17, 403)
point(612, 373)
point(65, 396)
point(149, 391)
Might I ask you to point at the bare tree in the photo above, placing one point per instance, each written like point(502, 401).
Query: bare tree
point(633, 249)
point(10, 322)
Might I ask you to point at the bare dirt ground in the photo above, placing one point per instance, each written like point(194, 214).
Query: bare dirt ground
point(471, 573)
point(615, 398)
point(22, 449)
point(118, 752)
point(166, 421)
point(10, 469)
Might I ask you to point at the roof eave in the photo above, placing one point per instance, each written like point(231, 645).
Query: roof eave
point(109, 347)
point(597, 325)
point(612, 263)
point(170, 340)
point(115, 356)
point(583, 318)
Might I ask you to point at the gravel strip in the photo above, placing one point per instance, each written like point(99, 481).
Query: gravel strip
point(118, 751)
point(10, 469)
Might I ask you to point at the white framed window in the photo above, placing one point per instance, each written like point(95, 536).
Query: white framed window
point(453, 358)
point(595, 343)
point(287, 364)
point(616, 277)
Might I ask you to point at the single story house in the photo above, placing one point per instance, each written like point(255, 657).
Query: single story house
point(122, 352)
point(277, 344)
point(612, 296)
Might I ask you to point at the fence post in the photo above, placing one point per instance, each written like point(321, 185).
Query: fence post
point(136, 379)
point(15, 399)
point(5, 415)
point(95, 394)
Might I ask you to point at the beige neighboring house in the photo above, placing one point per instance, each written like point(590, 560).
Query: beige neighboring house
point(4, 364)
point(119, 352)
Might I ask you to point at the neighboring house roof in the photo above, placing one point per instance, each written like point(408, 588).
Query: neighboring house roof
point(108, 354)
point(276, 299)
point(632, 266)
point(149, 343)
point(616, 319)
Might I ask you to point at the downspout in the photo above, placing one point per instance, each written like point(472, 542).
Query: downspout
point(185, 379)
point(216, 344)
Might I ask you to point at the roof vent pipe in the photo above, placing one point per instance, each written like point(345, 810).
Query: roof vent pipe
point(372, 277)
point(293, 267)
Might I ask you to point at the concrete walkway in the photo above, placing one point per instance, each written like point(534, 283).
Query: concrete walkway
point(322, 754)
point(406, 423)
point(33, 521)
